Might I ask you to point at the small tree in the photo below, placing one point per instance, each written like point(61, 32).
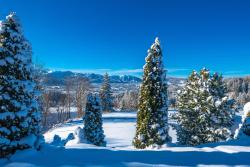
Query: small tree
point(19, 111)
point(205, 113)
point(152, 117)
point(105, 95)
point(188, 112)
point(222, 111)
point(93, 130)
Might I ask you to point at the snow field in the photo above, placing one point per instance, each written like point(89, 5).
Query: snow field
point(119, 130)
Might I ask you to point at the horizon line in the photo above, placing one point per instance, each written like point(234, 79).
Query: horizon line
point(171, 72)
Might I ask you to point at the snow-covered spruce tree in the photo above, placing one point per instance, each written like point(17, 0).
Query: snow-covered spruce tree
point(152, 117)
point(188, 117)
point(93, 130)
point(105, 94)
point(222, 111)
point(204, 112)
point(19, 115)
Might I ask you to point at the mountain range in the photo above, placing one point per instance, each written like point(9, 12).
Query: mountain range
point(58, 78)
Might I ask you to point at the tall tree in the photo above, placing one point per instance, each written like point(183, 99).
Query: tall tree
point(152, 117)
point(205, 113)
point(19, 114)
point(106, 95)
point(93, 130)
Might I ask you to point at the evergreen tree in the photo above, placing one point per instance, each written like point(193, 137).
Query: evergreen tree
point(218, 86)
point(19, 115)
point(188, 116)
point(243, 132)
point(205, 113)
point(106, 95)
point(152, 117)
point(222, 111)
point(93, 130)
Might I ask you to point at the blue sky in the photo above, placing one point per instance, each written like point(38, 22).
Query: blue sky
point(114, 35)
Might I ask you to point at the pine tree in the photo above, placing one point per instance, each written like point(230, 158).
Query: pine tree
point(218, 86)
point(19, 114)
point(93, 130)
point(152, 117)
point(188, 112)
point(106, 95)
point(205, 113)
point(222, 111)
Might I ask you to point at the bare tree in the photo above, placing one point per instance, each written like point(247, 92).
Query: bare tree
point(239, 89)
point(129, 100)
point(68, 87)
point(46, 106)
point(63, 107)
point(82, 86)
point(117, 100)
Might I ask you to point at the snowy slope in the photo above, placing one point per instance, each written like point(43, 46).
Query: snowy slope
point(119, 130)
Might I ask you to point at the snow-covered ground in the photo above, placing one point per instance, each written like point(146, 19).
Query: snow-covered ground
point(119, 130)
